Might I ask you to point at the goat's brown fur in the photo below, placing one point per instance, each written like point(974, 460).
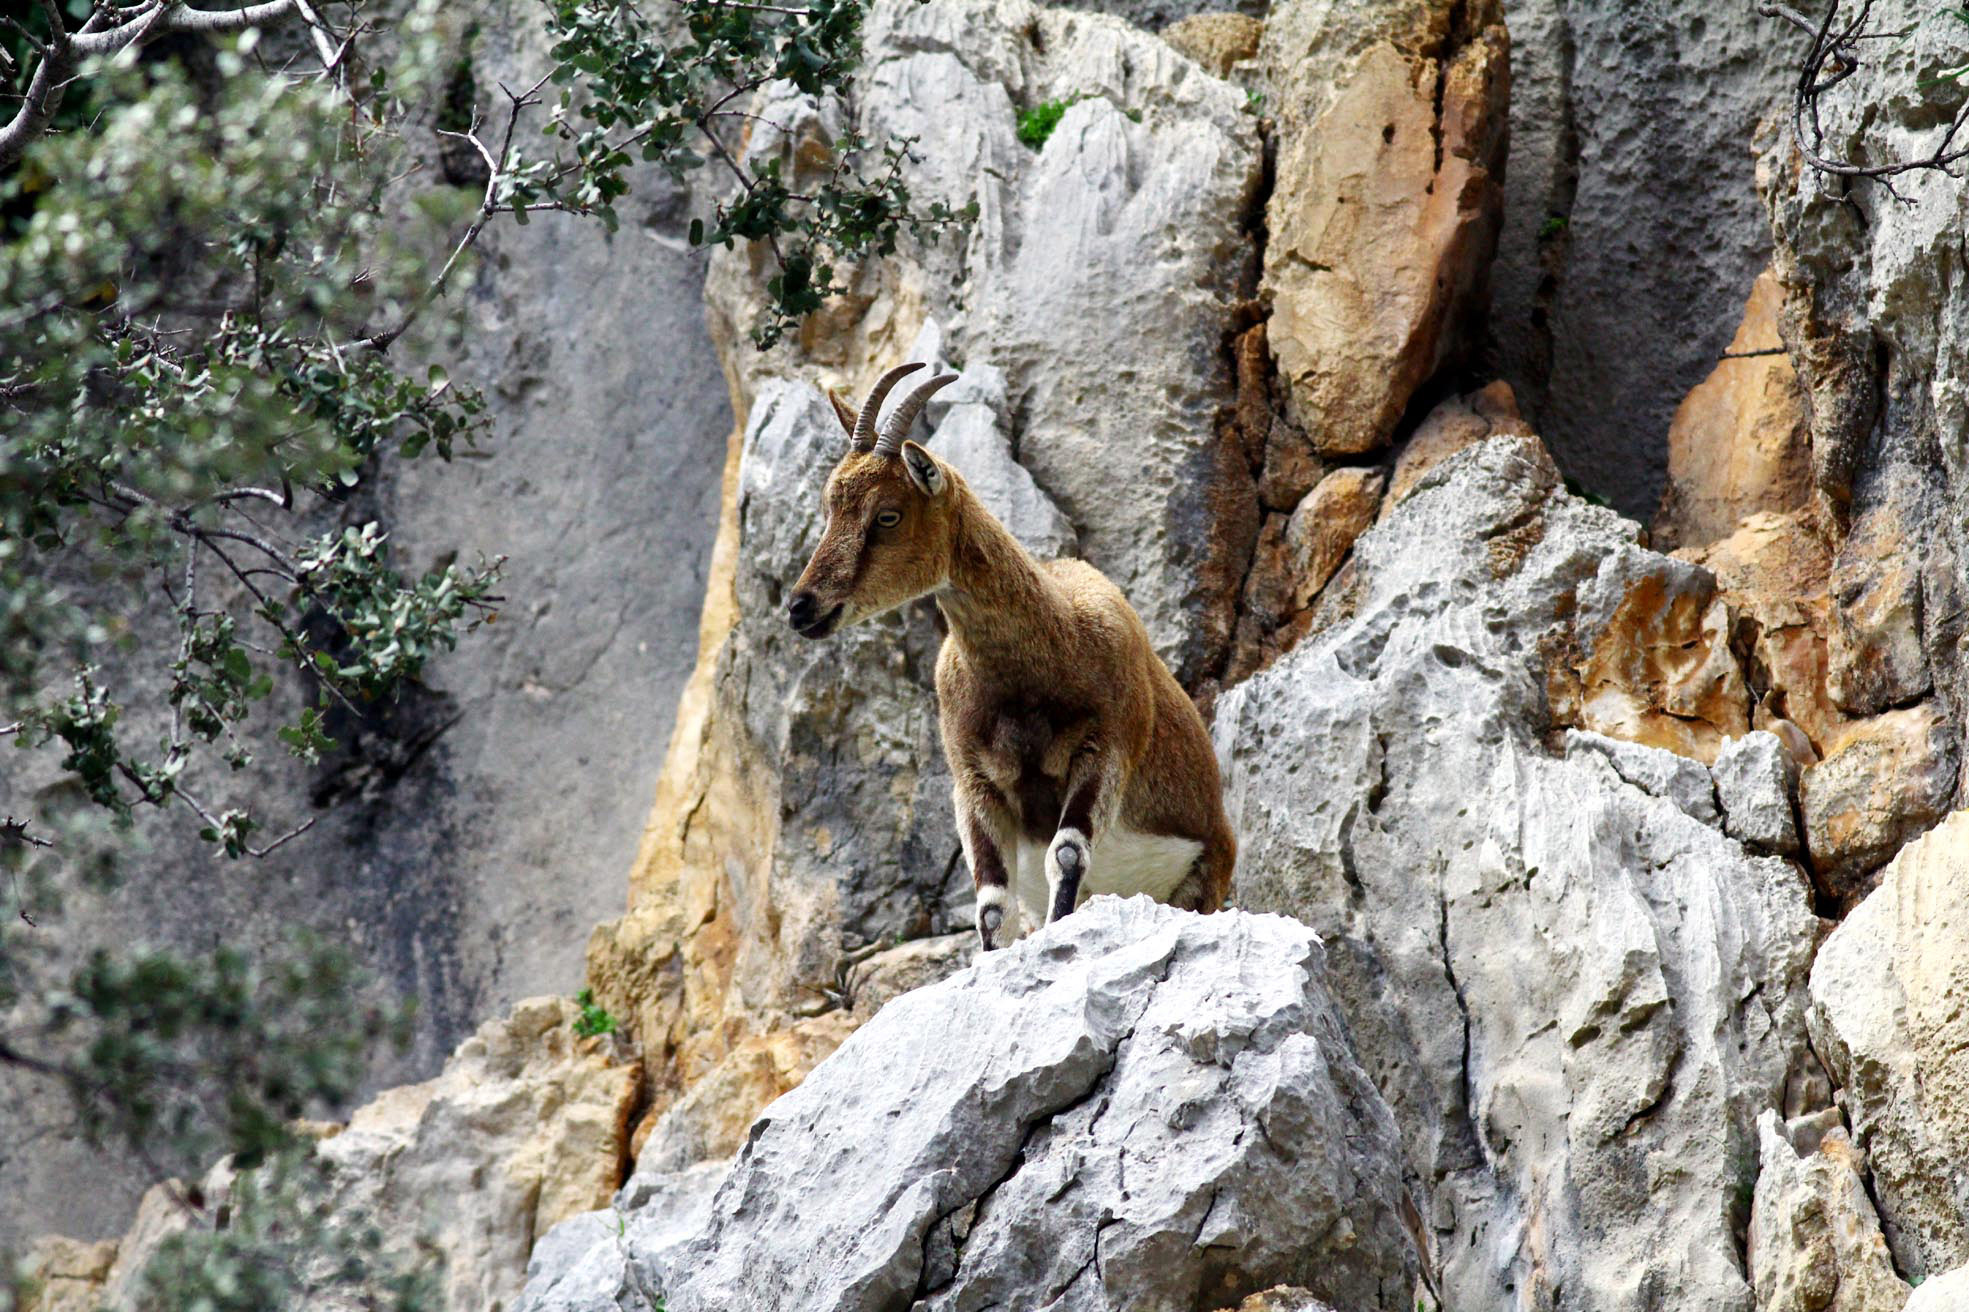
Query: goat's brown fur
point(1061, 725)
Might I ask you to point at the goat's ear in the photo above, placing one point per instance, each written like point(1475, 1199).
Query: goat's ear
point(923, 469)
point(843, 411)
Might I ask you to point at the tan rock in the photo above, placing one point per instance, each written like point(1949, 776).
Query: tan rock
point(1386, 203)
point(526, 1125)
point(1294, 559)
point(1889, 1020)
point(66, 1275)
point(1454, 424)
point(1655, 665)
point(1740, 442)
point(1322, 529)
point(1219, 42)
point(1771, 572)
point(710, 1120)
point(1815, 1243)
point(1885, 780)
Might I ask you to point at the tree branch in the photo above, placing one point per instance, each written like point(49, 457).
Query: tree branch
point(1833, 55)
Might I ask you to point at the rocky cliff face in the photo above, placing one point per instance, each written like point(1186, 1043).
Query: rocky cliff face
point(1637, 966)
point(481, 827)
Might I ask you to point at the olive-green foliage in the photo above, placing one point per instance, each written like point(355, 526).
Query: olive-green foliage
point(186, 292)
point(286, 1245)
point(676, 96)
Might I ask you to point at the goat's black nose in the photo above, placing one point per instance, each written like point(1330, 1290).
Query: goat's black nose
point(800, 611)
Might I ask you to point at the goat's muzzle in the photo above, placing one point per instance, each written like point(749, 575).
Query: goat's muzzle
point(803, 612)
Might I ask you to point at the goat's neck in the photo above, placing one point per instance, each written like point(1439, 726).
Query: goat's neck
point(1005, 613)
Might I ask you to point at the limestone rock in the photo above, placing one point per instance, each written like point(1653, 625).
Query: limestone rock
point(1943, 1293)
point(1656, 664)
point(1632, 230)
point(971, 437)
point(1888, 1017)
point(1323, 527)
point(1756, 782)
point(1878, 327)
point(617, 1258)
point(1884, 781)
point(66, 1275)
point(1455, 423)
point(1100, 277)
point(1576, 997)
point(1876, 659)
point(1739, 442)
point(1219, 41)
point(1284, 1298)
point(1815, 1242)
point(1149, 1108)
point(1658, 773)
point(1384, 212)
point(526, 1125)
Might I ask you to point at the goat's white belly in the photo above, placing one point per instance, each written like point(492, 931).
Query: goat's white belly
point(1123, 862)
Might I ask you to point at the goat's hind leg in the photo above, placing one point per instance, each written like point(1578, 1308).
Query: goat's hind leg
point(1093, 798)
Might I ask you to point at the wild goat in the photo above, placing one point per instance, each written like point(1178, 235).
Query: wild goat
point(1077, 758)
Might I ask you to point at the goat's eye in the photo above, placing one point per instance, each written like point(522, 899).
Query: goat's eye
point(889, 518)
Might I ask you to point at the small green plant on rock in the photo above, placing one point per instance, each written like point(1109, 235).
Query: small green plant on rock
point(1037, 124)
point(594, 1019)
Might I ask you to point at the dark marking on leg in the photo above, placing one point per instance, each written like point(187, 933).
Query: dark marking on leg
point(988, 876)
point(1069, 855)
point(1072, 849)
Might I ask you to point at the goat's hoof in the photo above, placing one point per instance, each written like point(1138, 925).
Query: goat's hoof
point(1068, 856)
point(989, 919)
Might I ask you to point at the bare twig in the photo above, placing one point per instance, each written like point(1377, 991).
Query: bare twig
point(1834, 54)
point(517, 104)
point(13, 833)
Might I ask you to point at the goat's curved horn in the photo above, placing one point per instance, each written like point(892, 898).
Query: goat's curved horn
point(894, 431)
point(864, 438)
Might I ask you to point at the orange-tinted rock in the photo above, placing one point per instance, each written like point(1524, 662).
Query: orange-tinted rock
point(1656, 665)
point(1291, 469)
point(710, 1120)
point(1740, 442)
point(1322, 530)
point(1772, 573)
point(1385, 208)
point(1454, 424)
point(1884, 781)
point(1294, 559)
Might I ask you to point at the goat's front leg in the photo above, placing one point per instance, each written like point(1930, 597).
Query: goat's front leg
point(984, 827)
point(1093, 795)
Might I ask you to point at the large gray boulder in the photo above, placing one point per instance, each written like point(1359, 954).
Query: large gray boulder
point(1138, 1108)
point(1576, 994)
point(1631, 229)
point(1888, 1016)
